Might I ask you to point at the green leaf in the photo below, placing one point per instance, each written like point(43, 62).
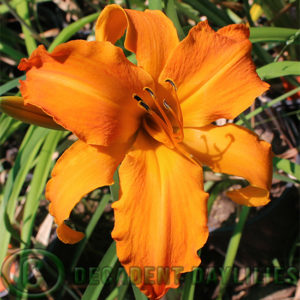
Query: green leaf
point(4, 9)
point(270, 34)
point(268, 104)
point(114, 189)
point(284, 178)
point(8, 125)
point(69, 31)
point(11, 84)
point(118, 292)
point(211, 11)
point(188, 10)
point(23, 12)
point(275, 11)
point(155, 4)
point(189, 286)
point(11, 38)
point(113, 295)
point(278, 69)
point(11, 52)
point(38, 182)
point(122, 289)
point(17, 175)
point(40, 175)
point(171, 12)
point(90, 228)
point(287, 166)
point(216, 191)
point(97, 281)
point(232, 250)
point(138, 295)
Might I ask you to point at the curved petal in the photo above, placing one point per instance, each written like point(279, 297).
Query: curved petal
point(237, 151)
point(81, 169)
point(237, 32)
point(87, 88)
point(160, 219)
point(150, 34)
point(214, 74)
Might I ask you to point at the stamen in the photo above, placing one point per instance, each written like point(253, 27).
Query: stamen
point(169, 108)
point(164, 127)
point(173, 132)
point(158, 120)
point(137, 98)
point(144, 105)
point(161, 111)
point(172, 83)
point(150, 92)
point(166, 105)
point(141, 103)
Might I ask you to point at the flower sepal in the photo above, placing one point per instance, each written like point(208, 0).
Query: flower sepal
point(15, 107)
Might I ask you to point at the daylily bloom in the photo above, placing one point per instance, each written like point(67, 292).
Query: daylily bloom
point(155, 119)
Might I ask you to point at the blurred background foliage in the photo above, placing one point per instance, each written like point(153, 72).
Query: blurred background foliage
point(257, 247)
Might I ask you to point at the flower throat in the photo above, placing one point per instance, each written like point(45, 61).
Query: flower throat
point(163, 120)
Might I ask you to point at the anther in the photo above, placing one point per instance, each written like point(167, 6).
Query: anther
point(137, 98)
point(150, 92)
point(144, 105)
point(166, 105)
point(172, 83)
point(141, 103)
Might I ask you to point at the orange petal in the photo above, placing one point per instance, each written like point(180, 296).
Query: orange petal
point(214, 74)
point(81, 169)
point(237, 151)
point(237, 32)
point(87, 88)
point(160, 219)
point(150, 34)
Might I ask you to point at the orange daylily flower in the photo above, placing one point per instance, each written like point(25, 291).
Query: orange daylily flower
point(155, 120)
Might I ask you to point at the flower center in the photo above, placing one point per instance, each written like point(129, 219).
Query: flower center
point(163, 118)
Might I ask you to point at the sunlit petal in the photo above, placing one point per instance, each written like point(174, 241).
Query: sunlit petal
point(150, 34)
point(237, 32)
point(160, 219)
point(81, 169)
point(236, 151)
point(214, 74)
point(87, 88)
